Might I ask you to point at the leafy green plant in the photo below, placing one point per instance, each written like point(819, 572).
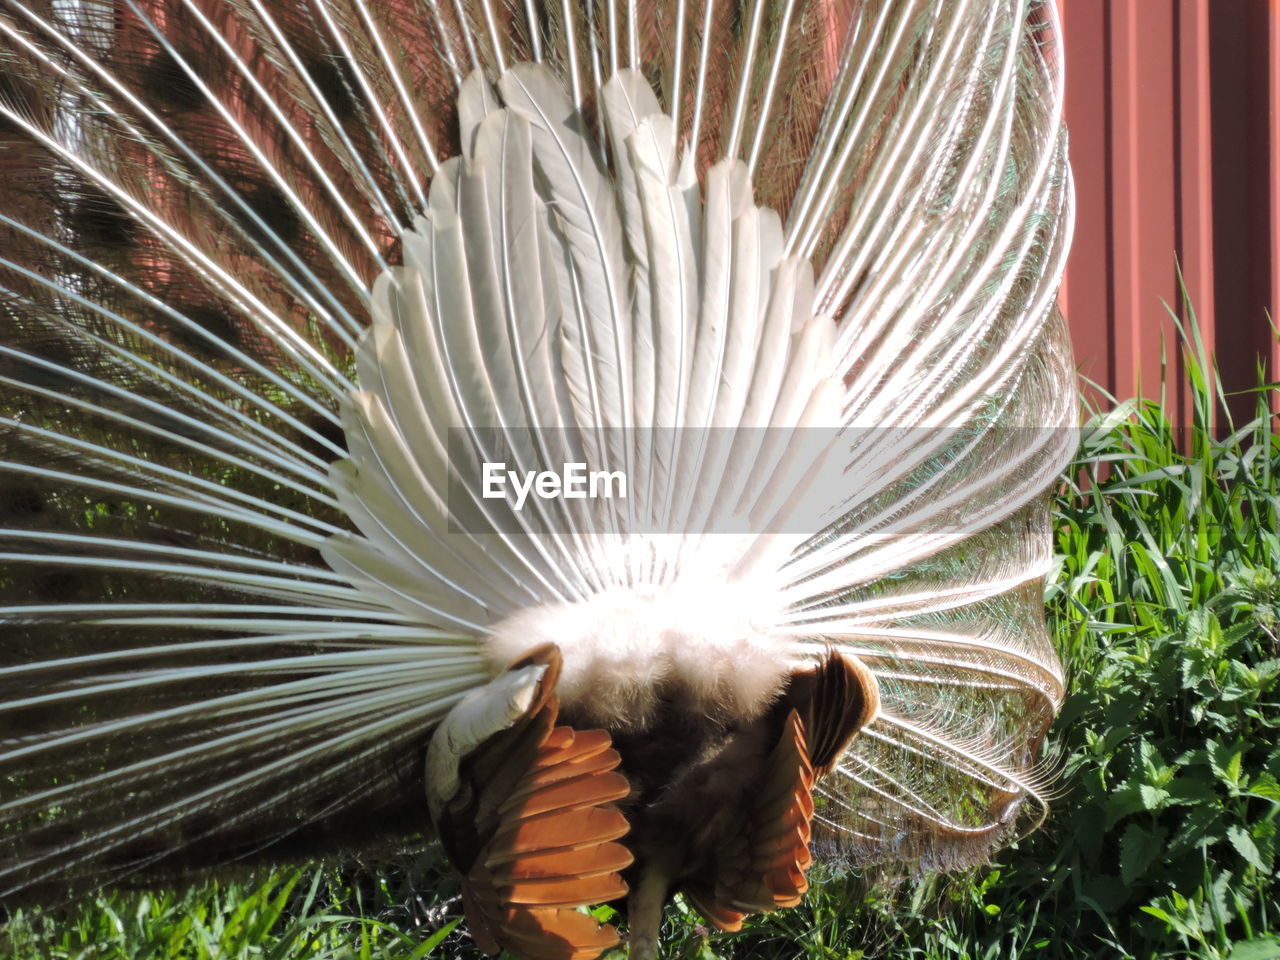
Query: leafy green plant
point(1166, 609)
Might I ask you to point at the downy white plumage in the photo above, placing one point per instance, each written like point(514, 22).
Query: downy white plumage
point(273, 274)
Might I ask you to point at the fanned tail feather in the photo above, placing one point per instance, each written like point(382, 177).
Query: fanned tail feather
point(263, 267)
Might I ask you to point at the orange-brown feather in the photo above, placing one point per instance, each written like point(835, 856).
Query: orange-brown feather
point(758, 862)
point(533, 830)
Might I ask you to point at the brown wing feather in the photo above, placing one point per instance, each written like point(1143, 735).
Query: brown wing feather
point(552, 934)
point(533, 831)
point(761, 862)
point(599, 859)
point(836, 699)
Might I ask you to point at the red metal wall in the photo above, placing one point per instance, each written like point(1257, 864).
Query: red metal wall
point(1173, 108)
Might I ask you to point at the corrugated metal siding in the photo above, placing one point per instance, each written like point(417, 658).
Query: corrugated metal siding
point(1173, 108)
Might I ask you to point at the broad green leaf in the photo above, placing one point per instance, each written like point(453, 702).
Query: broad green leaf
point(1267, 948)
point(1139, 848)
point(1243, 842)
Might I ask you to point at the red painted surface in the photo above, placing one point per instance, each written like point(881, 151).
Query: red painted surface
point(1173, 107)
point(1195, 181)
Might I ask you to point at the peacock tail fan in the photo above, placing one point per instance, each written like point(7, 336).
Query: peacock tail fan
point(273, 274)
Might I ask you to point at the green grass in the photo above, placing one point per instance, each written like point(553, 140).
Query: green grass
point(1166, 606)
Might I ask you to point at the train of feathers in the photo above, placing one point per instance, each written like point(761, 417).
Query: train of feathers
point(285, 285)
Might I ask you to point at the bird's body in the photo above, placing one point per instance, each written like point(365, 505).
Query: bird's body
point(280, 282)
